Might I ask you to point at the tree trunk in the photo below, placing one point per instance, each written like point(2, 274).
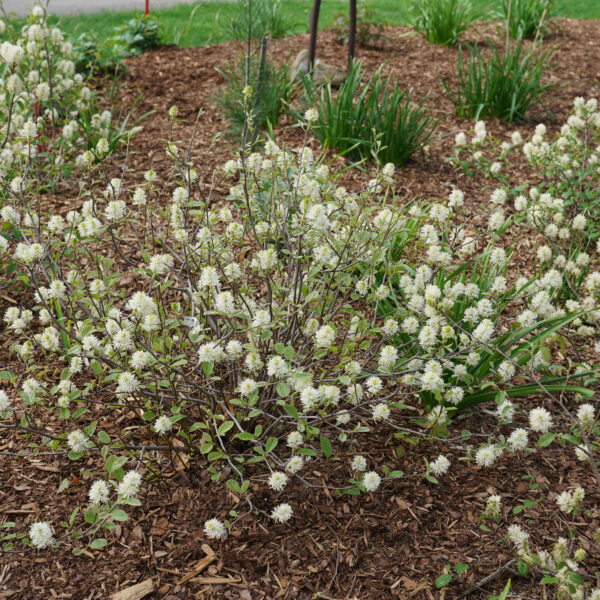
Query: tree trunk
point(351, 33)
point(314, 22)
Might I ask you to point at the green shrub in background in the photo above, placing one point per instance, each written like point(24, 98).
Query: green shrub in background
point(369, 26)
point(442, 21)
point(268, 17)
point(138, 35)
point(376, 120)
point(271, 91)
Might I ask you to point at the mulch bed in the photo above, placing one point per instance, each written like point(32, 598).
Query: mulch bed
point(392, 544)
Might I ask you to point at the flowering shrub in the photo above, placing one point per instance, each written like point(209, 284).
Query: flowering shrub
point(267, 330)
point(49, 115)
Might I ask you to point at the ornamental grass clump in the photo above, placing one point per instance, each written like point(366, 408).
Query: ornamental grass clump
point(443, 22)
point(373, 119)
point(504, 83)
point(525, 18)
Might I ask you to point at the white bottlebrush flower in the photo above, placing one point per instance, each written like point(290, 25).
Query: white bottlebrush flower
point(579, 222)
point(519, 538)
point(371, 481)
point(77, 441)
point(282, 513)
point(102, 146)
point(225, 303)
point(486, 456)
point(130, 486)
point(247, 386)
point(460, 139)
point(518, 439)
point(325, 336)
point(295, 463)
point(127, 383)
point(115, 210)
point(99, 493)
point(311, 115)
point(440, 465)
point(294, 439)
point(160, 264)
point(569, 502)
point(374, 385)
point(388, 358)
point(454, 395)
point(234, 349)
point(309, 398)
point(278, 480)
point(586, 415)
point(484, 331)
point(140, 359)
point(40, 535)
point(277, 367)
point(540, 420)
point(381, 412)
point(162, 425)
point(390, 327)
point(214, 529)
point(362, 287)
point(5, 403)
point(505, 412)
point(359, 463)
point(493, 507)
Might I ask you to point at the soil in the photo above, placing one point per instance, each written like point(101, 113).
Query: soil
point(392, 544)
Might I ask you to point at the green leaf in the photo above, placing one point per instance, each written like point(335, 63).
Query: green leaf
point(461, 568)
point(576, 578)
point(233, 485)
point(7, 375)
point(443, 580)
point(283, 389)
point(206, 447)
point(326, 447)
point(64, 484)
point(118, 515)
point(104, 437)
point(73, 515)
point(271, 444)
point(290, 410)
point(549, 579)
point(546, 440)
point(90, 516)
point(307, 451)
point(224, 428)
point(523, 568)
point(98, 543)
point(504, 594)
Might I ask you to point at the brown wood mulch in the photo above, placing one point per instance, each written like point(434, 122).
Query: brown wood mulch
point(392, 544)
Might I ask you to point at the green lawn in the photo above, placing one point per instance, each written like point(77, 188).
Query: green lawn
point(205, 23)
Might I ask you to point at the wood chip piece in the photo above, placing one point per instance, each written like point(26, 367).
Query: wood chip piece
point(216, 580)
point(200, 565)
point(135, 592)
